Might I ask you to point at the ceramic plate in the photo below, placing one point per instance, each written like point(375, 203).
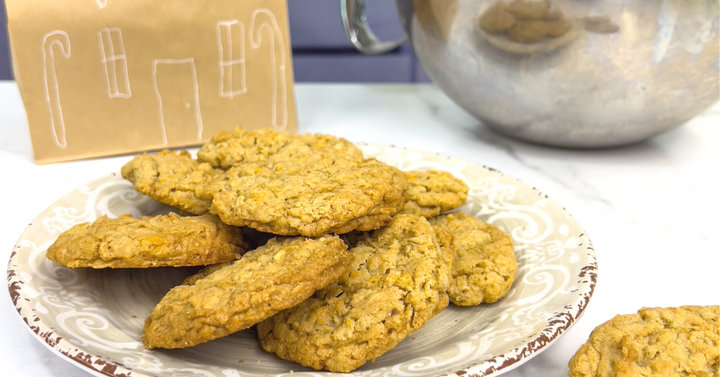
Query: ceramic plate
point(94, 318)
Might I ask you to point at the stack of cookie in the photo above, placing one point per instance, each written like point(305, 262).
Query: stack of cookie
point(335, 257)
point(524, 21)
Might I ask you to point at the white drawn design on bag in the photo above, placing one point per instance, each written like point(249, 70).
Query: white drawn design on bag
point(60, 39)
point(180, 87)
point(114, 63)
point(278, 84)
point(231, 34)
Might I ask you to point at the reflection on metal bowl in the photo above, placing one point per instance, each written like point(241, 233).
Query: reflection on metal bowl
point(622, 71)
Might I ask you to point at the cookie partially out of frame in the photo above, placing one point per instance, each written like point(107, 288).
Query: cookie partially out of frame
point(678, 341)
point(228, 298)
point(395, 285)
point(172, 178)
point(485, 264)
point(327, 195)
point(160, 241)
point(433, 192)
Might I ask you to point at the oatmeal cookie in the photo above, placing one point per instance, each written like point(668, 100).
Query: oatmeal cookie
point(128, 242)
point(432, 192)
point(497, 19)
point(681, 341)
point(190, 280)
point(172, 178)
point(328, 196)
point(529, 9)
point(233, 297)
point(397, 282)
point(528, 31)
point(484, 266)
point(228, 149)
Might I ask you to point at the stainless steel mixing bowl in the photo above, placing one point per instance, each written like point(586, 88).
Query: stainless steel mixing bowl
point(621, 72)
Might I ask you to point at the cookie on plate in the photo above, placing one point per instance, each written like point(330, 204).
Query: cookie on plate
point(296, 198)
point(235, 296)
point(172, 178)
point(433, 192)
point(680, 341)
point(203, 273)
point(397, 282)
point(228, 149)
point(160, 241)
point(485, 264)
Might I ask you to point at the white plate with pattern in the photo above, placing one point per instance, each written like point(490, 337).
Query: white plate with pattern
point(94, 318)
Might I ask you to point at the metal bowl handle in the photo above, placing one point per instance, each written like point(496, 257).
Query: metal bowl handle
point(358, 31)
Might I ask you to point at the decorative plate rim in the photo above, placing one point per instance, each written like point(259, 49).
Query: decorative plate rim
point(556, 326)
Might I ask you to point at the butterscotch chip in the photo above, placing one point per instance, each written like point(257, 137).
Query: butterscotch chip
point(172, 178)
point(297, 198)
point(128, 242)
point(432, 192)
point(228, 149)
point(528, 31)
point(679, 341)
point(395, 285)
point(485, 264)
point(496, 19)
point(229, 298)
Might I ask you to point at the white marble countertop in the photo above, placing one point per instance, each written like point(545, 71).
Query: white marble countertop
point(651, 209)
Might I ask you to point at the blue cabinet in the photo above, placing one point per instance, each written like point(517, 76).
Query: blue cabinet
point(5, 67)
point(321, 52)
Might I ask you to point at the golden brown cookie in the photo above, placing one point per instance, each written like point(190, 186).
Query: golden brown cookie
point(682, 341)
point(432, 192)
point(529, 10)
point(190, 280)
point(497, 19)
point(172, 178)
point(557, 28)
point(228, 149)
point(128, 242)
point(264, 281)
point(295, 198)
point(484, 266)
point(395, 285)
point(528, 31)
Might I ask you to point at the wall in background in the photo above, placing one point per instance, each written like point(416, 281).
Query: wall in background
point(321, 52)
point(5, 68)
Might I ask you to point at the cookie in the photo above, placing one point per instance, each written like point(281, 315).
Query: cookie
point(484, 266)
point(233, 297)
point(528, 31)
point(497, 19)
point(395, 285)
point(228, 149)
point(432, 192)
point(160, 241)
point(557, 28)
point(529, 9)
point(172, 178)
point(296, 198)
point(680, 341)
point(205, 272)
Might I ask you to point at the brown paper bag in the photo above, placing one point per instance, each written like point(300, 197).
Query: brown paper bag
point(105, 77)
